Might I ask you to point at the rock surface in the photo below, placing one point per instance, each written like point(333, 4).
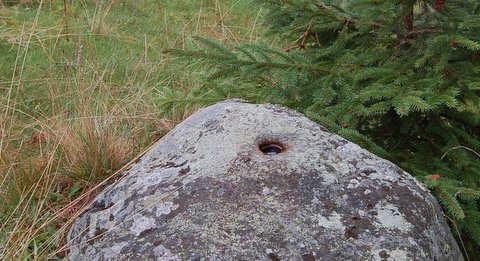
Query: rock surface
point(238, 181)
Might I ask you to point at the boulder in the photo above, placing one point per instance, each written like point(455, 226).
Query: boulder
point(239, 181)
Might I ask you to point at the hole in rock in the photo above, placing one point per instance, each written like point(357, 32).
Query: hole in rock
point(273, 257)
point(271, 148)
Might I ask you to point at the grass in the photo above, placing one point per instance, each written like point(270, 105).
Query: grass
point(79, 84)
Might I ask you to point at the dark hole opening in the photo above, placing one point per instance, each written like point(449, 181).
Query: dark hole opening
point(273, 257)
point(270, 148)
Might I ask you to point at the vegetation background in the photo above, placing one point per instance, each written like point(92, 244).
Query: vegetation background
point(399, 77)
point(88, 85)
point(79, 82)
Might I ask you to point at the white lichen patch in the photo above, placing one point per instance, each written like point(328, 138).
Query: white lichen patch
point(113, 251)
point(333, 221)
point(266, 191)
point(394, 255)
point(164, 253)
point(398, 254)
point(354, 183)
point(141, 224)
point(387, 177)
point(390, 217)
point(329, 178)
point(165, 208)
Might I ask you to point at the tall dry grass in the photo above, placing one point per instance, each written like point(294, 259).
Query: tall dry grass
point(78, 81)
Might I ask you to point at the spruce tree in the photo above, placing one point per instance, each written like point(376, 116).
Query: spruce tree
point(399, 77)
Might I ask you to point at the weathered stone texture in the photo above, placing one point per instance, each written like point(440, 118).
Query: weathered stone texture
point(207, 192)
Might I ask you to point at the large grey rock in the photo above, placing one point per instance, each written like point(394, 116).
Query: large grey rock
point(206, 191)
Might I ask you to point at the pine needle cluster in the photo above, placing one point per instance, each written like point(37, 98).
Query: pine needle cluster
point(399, 77)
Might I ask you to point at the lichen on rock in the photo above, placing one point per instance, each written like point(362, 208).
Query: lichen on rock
point(238, 181)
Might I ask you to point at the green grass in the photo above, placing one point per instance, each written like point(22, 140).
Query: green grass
point(79, 84)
